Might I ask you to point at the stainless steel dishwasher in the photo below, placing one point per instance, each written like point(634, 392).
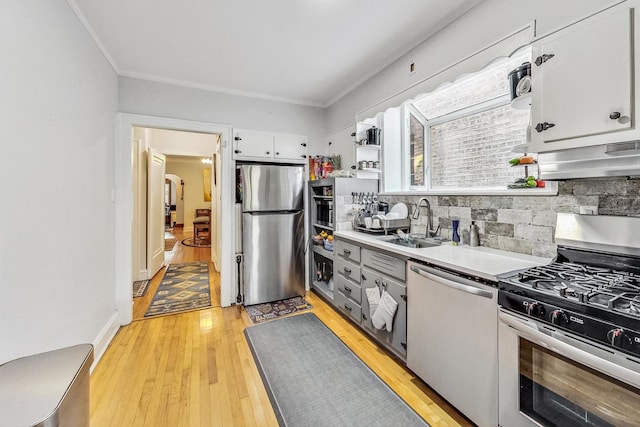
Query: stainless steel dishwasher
point(452, 338)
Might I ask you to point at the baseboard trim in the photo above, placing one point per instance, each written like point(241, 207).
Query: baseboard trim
point(104, 338)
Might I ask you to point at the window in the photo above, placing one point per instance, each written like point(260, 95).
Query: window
point(461, 135)
point(416, 150)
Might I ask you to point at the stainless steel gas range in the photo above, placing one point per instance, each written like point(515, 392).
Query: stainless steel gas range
point(569, 332)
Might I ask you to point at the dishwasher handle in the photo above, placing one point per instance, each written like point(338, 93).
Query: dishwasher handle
point(452, 281)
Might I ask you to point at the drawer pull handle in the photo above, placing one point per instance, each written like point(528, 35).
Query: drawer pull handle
point(347, 270)
point(346, 251)
point(348, 289)
point(377, 282)
point(346, 307)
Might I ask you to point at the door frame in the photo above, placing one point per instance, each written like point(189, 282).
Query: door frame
point(123, 199)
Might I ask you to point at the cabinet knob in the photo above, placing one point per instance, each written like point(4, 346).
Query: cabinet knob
point(303, 156)
point(616, 115)
point(348, 289)
point(543, 58)
point(237, 151)
point(237, 138)
point(277, 153)
point(347, 307)
point(304, 144)
point(540, 127)
point(268, 152)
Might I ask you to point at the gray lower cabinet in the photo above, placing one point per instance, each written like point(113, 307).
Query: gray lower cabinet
point(347, 280)
point(355, 270)
point(397, 338)
point(349, 307)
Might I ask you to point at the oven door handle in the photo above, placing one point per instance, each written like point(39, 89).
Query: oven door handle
point(451, 281)
point(532, 334)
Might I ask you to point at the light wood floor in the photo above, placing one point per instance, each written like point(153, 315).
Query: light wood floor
point(196, 369)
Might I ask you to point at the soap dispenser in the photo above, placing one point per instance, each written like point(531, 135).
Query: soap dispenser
point(474, 237)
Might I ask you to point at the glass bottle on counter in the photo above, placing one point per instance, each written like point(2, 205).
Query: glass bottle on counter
point(455, 236)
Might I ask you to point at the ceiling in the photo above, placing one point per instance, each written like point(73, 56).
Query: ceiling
point(309, 52)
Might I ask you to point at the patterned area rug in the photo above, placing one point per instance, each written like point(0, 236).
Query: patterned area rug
point(196, 243)
point(169, 243)
point(184, 287)
point(140, 288)
point(262, 312)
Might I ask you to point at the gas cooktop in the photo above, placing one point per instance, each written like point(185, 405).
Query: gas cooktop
point(602, 287)
point(592, 288)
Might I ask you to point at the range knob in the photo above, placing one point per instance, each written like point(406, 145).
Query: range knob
point(618, 338)
point(535, 309)
point(559, 317)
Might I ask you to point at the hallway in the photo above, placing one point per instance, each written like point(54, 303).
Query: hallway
point(179, 254)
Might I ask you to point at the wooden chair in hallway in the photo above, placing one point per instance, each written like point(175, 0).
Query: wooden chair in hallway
point(202, 225)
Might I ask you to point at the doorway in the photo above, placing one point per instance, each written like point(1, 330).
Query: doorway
point(189, 199)
point(133, 138)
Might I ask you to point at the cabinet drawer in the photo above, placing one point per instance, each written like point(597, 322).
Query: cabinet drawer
point(348, 251)
point(385, 264)
point(348, 307)
point(349, 289)
point(347, 269)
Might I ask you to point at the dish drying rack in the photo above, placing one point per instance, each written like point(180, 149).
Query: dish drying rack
point(387, 226)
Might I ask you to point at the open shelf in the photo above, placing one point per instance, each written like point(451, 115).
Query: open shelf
point(322, 251)
point(323, 288)
point(522, 102)
point(368, 147)
point(323, 226)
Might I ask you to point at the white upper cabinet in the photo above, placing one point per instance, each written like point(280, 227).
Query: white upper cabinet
point(583, 83)
point(265, 146)
point(290, 147)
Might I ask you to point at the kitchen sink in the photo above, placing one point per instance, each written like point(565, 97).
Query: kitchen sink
point(416, 243)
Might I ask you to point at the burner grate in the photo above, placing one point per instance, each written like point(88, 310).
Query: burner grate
point(586, 284)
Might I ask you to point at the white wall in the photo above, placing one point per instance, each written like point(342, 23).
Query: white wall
point(488, 22)
point(182, 143)
point(157, 99)
point(59, 99)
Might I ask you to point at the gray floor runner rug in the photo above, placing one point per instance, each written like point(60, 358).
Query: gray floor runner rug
point(313, 379)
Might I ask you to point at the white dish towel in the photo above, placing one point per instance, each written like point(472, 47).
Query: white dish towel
point(383, 315)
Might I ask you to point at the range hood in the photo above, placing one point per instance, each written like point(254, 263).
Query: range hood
point(611, 160)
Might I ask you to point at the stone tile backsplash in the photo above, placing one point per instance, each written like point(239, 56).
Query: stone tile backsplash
point(524, 224)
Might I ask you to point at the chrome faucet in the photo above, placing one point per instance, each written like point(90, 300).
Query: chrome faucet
point(416, 214)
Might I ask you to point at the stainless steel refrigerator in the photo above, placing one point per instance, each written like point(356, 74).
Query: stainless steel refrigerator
point(272, 232)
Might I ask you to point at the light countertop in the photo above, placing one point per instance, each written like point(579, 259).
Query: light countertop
point(483, 262)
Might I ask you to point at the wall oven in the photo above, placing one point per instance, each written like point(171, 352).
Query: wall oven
point(569, 332)
point(550, 378)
